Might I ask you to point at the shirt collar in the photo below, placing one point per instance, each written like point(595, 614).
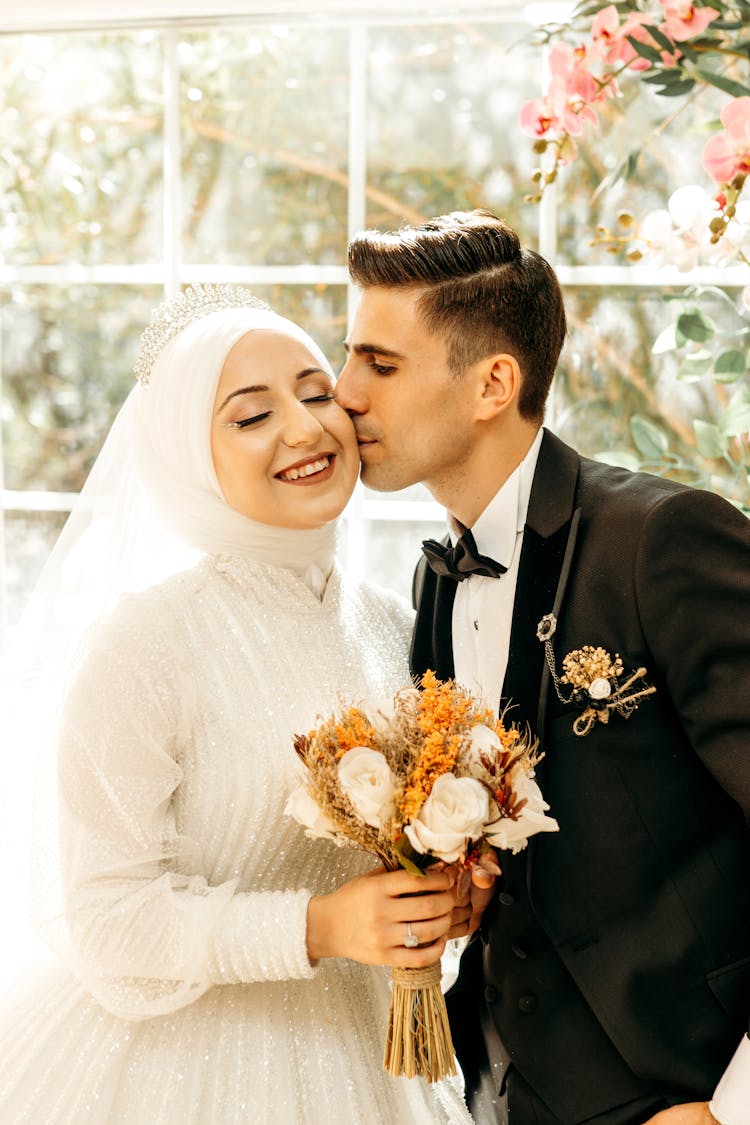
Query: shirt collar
point(504, 517)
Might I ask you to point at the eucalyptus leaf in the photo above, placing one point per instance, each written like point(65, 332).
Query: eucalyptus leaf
point(621, 458)
point(666, 341)
point(730, 365)
point(735, 419)
point(695, 366)
point(708, 439)
point(694, 324)
point(650, 440)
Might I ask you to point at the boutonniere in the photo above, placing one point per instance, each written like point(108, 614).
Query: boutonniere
point(593, 680)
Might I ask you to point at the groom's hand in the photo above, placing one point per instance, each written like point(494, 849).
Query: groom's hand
point(473, 896)
point(693, 1113)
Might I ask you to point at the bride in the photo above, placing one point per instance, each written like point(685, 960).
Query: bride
point(221, 966)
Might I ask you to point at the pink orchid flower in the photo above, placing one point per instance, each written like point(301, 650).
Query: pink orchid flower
point(565, 107)
point(611, 38)
point(684, 20)
point(727, 154)
point(537, 118)
point(553, 115)
point(568, 64)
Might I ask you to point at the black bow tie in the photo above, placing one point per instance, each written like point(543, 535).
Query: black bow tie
point(461, 561)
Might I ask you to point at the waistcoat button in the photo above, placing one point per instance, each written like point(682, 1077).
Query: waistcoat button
point(519, 951)
point(491, 994)
point(506, 898)
point(527, 1003)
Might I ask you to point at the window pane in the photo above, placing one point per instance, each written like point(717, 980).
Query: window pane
point(265, 119)
point(67, 360)
point(81, 118)
point(393, 548)
point(319, 309)
point(443, 134)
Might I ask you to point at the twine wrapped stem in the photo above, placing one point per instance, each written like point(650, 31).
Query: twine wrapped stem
point(419, 1041)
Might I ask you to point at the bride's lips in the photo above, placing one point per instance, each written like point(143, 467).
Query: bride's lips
point(311, 470)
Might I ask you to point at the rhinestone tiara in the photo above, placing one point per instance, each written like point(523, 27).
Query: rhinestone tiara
point(174, 315)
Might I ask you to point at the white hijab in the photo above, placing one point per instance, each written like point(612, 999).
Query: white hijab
point(172, 418)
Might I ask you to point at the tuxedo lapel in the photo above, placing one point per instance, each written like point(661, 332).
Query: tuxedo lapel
point(432, 639)
point(546, 557)
point(538, 574)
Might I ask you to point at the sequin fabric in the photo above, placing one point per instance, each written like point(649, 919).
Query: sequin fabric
point(194, 1002)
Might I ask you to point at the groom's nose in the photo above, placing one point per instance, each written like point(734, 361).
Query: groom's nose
point(349, 391)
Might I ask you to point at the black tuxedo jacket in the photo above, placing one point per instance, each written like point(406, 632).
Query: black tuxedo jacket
point(644, 893)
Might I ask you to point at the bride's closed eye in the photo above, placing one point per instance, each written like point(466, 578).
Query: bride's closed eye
point(327, 397)
point(318, 399)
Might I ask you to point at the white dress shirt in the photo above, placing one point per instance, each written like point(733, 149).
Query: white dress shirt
point(482, 617)
point(483, 607)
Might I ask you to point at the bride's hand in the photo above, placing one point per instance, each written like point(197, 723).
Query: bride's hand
point(367, 919)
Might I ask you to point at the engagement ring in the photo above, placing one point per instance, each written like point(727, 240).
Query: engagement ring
point(411, 941)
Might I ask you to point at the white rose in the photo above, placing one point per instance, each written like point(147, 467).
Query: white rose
point(306, 812)
point(483, 740)
point(368, 782)
point(454, 812)
point(514, 834)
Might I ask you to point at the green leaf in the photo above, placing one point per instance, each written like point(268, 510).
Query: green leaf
point(694, 366)
point(735, 419)
point(650, 439)
point(721, 82)
point(708, 439)
point(666, 341)
point(730, 365)
point(623, 171)
point(677, 89)
point(664, 77)
point(408, 865)
point(405, 851)
point(695, 325)
point(622, 458)
point(644, 50)
point(660, 38)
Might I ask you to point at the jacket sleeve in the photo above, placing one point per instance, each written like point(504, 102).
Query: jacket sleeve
point(693, 593)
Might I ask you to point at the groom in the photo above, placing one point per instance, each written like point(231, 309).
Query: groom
point(611, 983)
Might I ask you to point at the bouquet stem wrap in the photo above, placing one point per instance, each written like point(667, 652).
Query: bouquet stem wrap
point(418, 1042)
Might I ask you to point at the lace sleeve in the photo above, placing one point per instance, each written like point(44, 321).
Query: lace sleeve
point(149, 932)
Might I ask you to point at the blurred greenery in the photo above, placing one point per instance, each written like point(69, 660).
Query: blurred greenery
point(81, 125)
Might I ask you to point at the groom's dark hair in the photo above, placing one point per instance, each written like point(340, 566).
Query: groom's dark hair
point(483, 292)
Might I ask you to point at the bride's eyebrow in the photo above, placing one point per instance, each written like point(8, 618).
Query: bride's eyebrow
point(264, 387)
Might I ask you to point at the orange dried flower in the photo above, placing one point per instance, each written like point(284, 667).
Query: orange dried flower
point(352, 730)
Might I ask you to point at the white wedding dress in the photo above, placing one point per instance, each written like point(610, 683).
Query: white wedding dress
point(193, 1001)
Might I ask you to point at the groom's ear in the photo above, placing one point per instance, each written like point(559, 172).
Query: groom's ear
point(499, 387)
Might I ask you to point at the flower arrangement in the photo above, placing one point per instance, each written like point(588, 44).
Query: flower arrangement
point(674, 46)
point(681, 51)
point(430, 777)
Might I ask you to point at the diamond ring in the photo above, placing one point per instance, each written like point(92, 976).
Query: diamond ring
point(411, 941)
